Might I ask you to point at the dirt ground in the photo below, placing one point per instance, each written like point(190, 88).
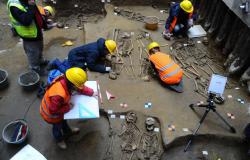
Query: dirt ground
point(170, 107)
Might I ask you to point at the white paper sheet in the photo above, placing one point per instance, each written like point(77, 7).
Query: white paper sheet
point(217, 84)
point(196, 31)
point(28, 153)
point(85, 107)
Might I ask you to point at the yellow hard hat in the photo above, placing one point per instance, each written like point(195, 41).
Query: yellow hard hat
point(153, 45)
point(76, 76)
point(187, 6)
point(50, 9)
point(110, 45)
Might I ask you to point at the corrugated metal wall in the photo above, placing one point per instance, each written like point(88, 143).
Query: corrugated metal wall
point(229, 28)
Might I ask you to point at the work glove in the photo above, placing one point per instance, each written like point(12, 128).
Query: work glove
point(190, 23)
point(108, 69)
point(167, 34)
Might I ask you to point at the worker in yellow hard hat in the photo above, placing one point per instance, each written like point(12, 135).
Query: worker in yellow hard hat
point(168, 72)
point(56, 102)
point(49, 11)
point(87, 56)
point(180, 19)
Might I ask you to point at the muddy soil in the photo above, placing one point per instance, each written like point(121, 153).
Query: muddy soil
point(95, 141)
point(84, 11)
point(157, 3)
point(133, 143)
point(88, 143)
point(6, 38)
point(169, 106)
point(92, 11)
point(225, 148)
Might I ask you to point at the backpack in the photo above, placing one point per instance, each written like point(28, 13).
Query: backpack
point(52, 75)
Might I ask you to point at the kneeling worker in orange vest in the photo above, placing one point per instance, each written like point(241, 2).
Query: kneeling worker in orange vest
point(168, 71)
point(56, 102)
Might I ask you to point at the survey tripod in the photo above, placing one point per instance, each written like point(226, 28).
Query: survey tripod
point(210, 106)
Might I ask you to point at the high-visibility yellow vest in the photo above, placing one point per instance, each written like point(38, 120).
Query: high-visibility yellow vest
point(169, 71)
point(23, 31)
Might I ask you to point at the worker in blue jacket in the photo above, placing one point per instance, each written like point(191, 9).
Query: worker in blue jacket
point(179, 20)
point(87, 56)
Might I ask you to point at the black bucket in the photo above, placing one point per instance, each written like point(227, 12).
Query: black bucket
point(3, 79)
point(29, 80)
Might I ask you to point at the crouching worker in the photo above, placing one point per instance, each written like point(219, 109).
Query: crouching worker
point(179, 20)
point(56, 102)
point(169, 73)
point(87, 56)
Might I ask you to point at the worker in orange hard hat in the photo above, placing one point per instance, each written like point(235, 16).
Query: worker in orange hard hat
point(180, 19)
point(169, 73)
point(56, 102)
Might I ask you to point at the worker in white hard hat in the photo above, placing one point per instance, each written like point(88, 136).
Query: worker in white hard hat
point(179, 20)
point(87, 56)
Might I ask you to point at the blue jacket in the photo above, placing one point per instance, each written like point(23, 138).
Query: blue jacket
point(89, 54)
point(176, 11)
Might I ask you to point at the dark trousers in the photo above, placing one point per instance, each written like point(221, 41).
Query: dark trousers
point(34, 52)
point(60, 129)
point(180, 29)
point(62, 66)
point(175, 87)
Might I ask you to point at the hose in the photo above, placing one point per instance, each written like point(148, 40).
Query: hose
point(27, 110)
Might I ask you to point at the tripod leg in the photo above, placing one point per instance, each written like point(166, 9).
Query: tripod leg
point(232, 129)
point(192, 106)
point(196, 130)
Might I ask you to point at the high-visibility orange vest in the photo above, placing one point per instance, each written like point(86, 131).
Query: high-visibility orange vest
point(168, 70)
point(55, 89)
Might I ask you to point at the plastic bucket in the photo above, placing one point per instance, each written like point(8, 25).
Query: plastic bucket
point(29, 80)
point(151, 22)
point(15, 132)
